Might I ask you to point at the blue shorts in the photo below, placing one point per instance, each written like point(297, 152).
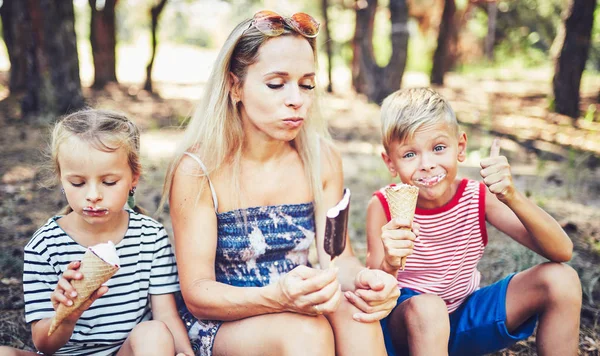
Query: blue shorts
point(478, 326)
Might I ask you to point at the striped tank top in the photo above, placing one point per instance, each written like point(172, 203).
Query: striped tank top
point(450, 244)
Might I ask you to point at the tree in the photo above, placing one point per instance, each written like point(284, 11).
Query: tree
point(447, 35)
point(42, 35)
point(369, 78)
point(324, 7)
point(155, 12)
point(104, 41)
point(574, 39)
point(12, 20)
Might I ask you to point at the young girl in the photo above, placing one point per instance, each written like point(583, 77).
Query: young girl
point(249, 189)
point(95, 155)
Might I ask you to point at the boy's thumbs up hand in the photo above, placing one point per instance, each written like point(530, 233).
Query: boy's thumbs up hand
point(496, 174)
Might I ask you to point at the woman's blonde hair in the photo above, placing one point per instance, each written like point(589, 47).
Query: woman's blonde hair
point(405, 111)
point(104, 130)
point(215, 130)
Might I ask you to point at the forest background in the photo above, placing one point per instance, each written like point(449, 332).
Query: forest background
point(526, 71)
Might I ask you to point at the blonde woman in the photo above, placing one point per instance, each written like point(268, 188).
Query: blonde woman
point(248, 190)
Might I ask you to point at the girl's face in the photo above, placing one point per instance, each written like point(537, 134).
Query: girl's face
point(278, 90)
point(96, 183)
point(428, 160)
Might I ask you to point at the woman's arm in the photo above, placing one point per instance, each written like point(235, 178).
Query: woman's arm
point(165, 310)
point(195, 232)
point(371, 290)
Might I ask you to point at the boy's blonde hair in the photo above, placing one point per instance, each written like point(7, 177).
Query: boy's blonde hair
point(405, 111)
point(104, 130)
point(215, 130)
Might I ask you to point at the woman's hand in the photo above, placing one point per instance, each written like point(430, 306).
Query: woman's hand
point(376, 295)
point(310, 291)
point(397, 237)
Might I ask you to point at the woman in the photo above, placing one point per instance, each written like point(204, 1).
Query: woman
point(248, 191)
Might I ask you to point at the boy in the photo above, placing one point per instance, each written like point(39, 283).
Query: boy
point(441, 309)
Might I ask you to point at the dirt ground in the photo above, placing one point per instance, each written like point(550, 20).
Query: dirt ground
point(554, 162)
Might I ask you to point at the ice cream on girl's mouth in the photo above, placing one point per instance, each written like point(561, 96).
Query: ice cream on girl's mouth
point(95, 211)
point(429, 181)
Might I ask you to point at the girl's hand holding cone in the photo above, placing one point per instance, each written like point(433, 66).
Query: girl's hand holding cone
point(65, 293)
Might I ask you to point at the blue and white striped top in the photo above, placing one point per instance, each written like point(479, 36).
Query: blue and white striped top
point(147, 267)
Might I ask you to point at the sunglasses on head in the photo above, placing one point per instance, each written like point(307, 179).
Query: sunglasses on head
point(272, 24)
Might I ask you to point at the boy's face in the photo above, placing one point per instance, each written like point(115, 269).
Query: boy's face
point(428, 160)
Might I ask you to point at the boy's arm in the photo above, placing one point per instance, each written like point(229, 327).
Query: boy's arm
point(529, 225)
point(388, 242)
point(376, 219)
point(165, 310)
point(512, 213)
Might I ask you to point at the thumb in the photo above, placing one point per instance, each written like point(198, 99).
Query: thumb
point(495, 150)
point(369, 279)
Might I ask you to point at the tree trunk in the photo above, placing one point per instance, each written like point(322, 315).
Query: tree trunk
point(369, 78)
point(443, 57)
point(154, 14)
point(103, 41)
point(47, 37)
point(490, 38)
point(324, 7)
point(570, 62)
point(13, 13)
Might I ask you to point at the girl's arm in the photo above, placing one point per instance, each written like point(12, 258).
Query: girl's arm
point(195, 232)
point(39, 329)
point(165, 310)
point(515, 215)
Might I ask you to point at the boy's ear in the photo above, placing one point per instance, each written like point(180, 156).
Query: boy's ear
point(234, 91)
point(462, 147)
point(388, 162)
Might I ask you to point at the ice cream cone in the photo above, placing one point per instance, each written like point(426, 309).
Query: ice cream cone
point(95, 272)
point(402, 200)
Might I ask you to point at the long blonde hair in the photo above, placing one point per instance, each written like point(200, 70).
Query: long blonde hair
point(104, 130)
point(215, 130)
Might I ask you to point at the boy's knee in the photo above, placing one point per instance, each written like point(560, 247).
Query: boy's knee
point(427, 310)
point(560, 282)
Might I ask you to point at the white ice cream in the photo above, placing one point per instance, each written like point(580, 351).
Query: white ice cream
point(107, 252)
point(335, 211)
point(401, 186)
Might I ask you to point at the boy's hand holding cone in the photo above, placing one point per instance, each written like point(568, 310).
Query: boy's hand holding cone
point(397, 235)
point(98, 265)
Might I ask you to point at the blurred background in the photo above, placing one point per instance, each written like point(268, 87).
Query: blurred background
point(526, 71)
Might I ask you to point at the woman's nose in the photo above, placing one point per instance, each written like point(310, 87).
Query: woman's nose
point(294, 97)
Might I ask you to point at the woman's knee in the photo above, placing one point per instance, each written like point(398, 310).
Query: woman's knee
point(308, 334)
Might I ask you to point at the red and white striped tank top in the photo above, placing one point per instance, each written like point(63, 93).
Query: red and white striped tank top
point(450, 244)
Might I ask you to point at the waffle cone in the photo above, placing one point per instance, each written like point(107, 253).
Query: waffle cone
point(95, 272)
point(402, 200)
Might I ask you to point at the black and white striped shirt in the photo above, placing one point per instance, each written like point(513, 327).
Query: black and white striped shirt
point(147, 267)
